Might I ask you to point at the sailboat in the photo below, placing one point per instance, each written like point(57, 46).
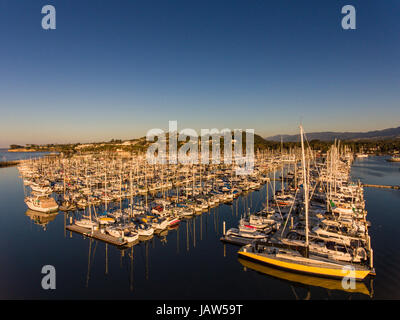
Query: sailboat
point(300, 260)
point(87, 222)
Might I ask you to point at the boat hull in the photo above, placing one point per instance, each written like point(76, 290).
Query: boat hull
point(40, 209)
point(324, 272)
point(300, 279)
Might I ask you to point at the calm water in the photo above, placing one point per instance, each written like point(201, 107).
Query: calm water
point(187, 263)
point(12, 156)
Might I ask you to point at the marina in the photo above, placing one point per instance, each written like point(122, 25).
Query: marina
point(189, 233)
point(200, 157)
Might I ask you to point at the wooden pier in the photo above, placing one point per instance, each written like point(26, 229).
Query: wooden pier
point(381, 186)
point(97, 234)
point(236, 240)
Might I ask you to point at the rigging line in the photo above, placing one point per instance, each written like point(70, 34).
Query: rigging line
point(287, 219)
point(279, 210)
point(312, 192)
point(312, 156)
point(261, 197)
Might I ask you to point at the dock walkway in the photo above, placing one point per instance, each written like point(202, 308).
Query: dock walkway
point(97, 235)
point(381, 186)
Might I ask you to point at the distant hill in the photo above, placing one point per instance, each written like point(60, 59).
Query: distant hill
point(391, 133)
point(259, 142)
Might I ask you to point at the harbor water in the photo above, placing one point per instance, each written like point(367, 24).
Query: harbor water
point(13, 156)
point(189, 262)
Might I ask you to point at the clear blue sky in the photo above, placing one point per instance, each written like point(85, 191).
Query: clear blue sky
point(115, 69)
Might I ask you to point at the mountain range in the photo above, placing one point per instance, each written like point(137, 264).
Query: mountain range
point(391, 133)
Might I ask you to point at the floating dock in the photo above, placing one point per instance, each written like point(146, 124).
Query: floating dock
point(238, 241)
point(381, 186)
point(97, 234)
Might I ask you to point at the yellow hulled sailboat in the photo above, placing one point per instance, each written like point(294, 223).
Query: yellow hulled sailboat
point(329, 284)
point(292, 260)
point(301, 261)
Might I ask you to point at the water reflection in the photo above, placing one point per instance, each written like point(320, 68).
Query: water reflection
point(304, 281)
point(41, 219)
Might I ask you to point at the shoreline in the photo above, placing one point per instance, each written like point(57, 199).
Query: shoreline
point(6, 164)
point(22, 150)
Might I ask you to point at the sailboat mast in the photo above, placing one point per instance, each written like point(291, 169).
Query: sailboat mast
point(282, 183)
point(105, 188)
point(305, 184)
